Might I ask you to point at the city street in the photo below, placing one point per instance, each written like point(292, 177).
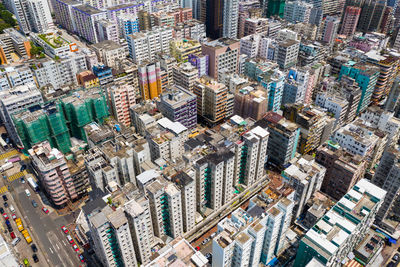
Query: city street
point(45, 229)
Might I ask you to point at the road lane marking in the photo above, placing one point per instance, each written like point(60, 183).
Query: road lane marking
point(64, 243)
point(51, 250)
point(57, 246)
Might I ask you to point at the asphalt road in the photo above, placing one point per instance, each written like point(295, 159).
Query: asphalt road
point(46, 227)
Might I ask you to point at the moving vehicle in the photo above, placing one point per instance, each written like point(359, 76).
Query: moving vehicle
point(27, 193)
point(45, 210)
point(33, 183)
point(22, 180)
point(27, 236)
point(19, 224)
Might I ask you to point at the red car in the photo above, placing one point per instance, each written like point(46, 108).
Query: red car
point(75, 247)
point(70, 240)
point(5, 216)
point(81, 258)
point(12, 235)
point(197, 248)
point(65, 230)
point(13, 216)
point(45, 210)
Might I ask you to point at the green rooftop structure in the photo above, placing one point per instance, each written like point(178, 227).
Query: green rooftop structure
point(60, 120)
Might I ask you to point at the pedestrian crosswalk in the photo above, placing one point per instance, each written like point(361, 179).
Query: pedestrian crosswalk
point(3, 189)
point(17, 175)
point(9, 154)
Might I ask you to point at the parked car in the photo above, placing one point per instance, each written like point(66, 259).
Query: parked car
point(75, 247)
point(45, 210)
point(81, 258)
point(1, 210)
point(12, 235)
point(5, 216)
point(65, 230)
point(34, 203)
point(396, 257)
point(26, 262)
point(13, 216)
point(70, 240)
point(12, 208)
point(35, 258)
point(197, 248)
point(22, 180)
point(34, 248)
point(23, 168)
point(5, 198)
point(5, 204)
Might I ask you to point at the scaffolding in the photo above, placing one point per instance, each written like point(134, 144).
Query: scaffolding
point(60, 120)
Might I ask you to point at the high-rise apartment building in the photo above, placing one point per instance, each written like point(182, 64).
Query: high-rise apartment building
point(121, 97)
point(350, 20)
point(315, 125)
point(107, 30)
point(287, 54)
point(274, 8)
point(297, 11)
point(185, 75)
point(250, 102)
point(186, 183)
point(213, 18)
point(111, 237)
point(110, 53)
point(222, 54)
point(150, 80)
point(366, 76)
point(212, 100)
point(305, 176)
point(230, 19)
point(63, 13)
point(14, 100)
point(166, 208)
point(283, 138)
point(273, 82)
point(214, 179)
point(39, 16)
point(387, 177)
point(180, 49)
point(53, 173)
point(139, 219)
point(371, 15)
point(179, 105)
point(343, 169)
point(252, 150)
point(32, 15)
point(85, 17)
point(146, 44)
point(330, 29)
point(346, 224)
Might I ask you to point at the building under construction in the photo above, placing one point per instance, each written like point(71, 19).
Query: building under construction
point(61, 119)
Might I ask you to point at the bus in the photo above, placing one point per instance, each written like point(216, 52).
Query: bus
point(33, 184)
